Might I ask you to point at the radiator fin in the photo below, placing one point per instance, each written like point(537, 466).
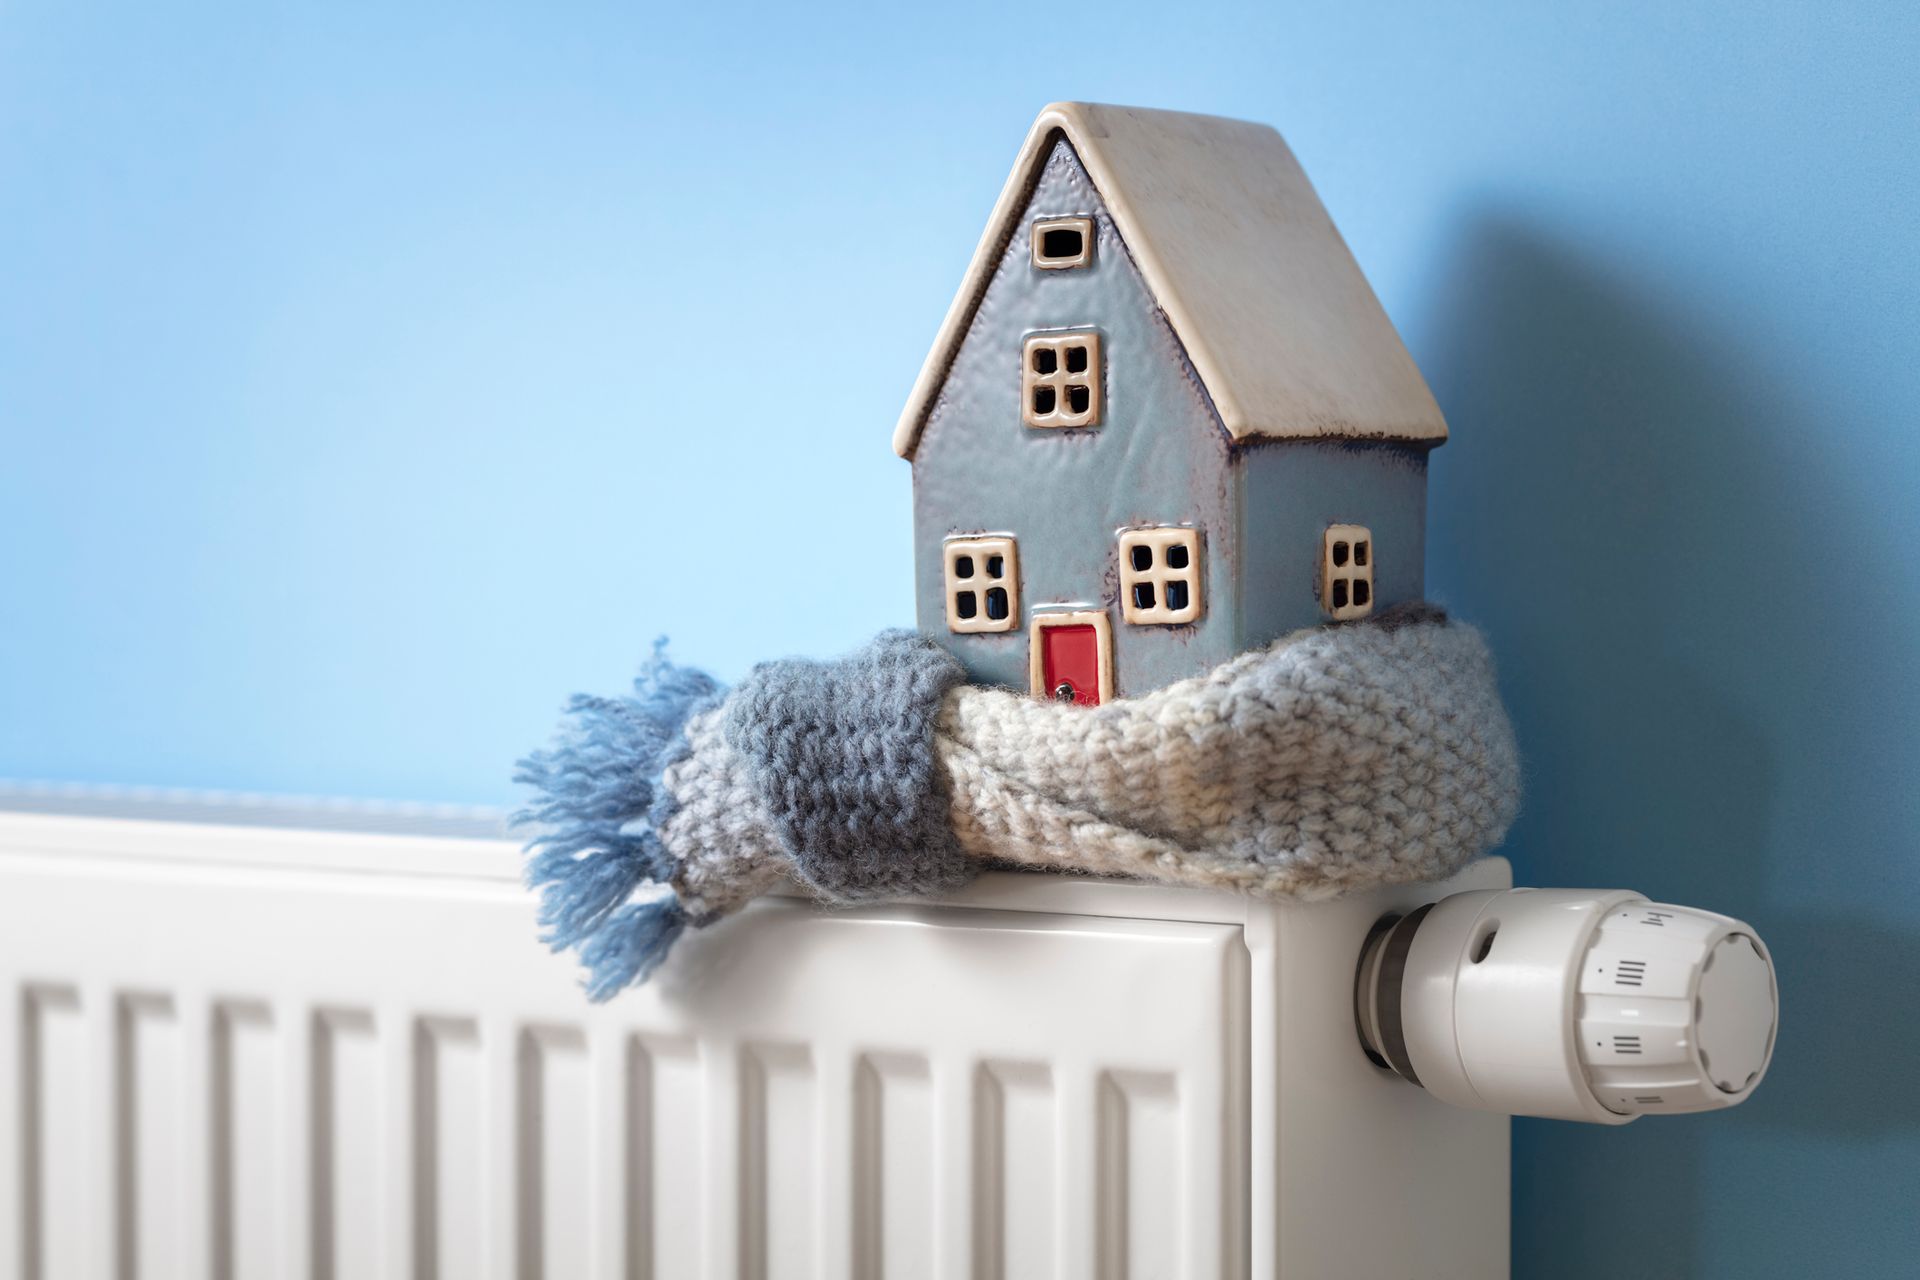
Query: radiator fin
point(149, 1164)
point(248, 1187)
point(665, 1168)
point(1140, 1180)
point(449, 1194)
point(1017, 1186)
point(779, 1184)
point(346, 1129)
point(553, 1136)
point(893, 1168)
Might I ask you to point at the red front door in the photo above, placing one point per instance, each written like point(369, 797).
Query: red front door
point(1070, 664)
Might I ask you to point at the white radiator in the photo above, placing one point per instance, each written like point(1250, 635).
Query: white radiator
point(243, 1052)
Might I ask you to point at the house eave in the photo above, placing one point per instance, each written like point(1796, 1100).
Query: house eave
point(973, 285)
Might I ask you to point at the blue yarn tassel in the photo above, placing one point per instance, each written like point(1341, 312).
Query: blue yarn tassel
point(631, 946)
point(600, 803)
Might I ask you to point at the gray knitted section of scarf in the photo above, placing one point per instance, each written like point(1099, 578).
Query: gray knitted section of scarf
point(1339, 758)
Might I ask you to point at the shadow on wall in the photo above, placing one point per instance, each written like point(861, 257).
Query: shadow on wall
point(1638, 515)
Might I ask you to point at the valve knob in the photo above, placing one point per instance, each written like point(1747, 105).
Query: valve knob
point(1573, 1004)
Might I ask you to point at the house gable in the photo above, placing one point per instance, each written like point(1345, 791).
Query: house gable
point(1157, 456)
point(1235, 247)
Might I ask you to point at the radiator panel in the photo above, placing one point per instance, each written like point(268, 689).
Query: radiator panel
point(277, 1067)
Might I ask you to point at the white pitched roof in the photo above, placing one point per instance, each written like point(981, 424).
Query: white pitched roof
point(1282, 328)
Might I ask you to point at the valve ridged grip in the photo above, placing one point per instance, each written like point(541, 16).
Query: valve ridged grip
point(1676, 1010)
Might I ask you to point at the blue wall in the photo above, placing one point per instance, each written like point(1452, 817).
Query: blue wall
point(371, 378)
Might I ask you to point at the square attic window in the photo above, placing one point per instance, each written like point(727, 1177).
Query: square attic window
point(1346, 571)
point(983, 584)
point(1060, 380)
point(1060, 244)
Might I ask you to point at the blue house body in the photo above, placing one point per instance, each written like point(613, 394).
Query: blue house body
point(1166, 420)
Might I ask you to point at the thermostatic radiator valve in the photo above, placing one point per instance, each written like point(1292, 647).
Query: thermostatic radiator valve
point(1566, 1003)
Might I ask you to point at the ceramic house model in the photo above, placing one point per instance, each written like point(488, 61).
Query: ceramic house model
point(1165, 420)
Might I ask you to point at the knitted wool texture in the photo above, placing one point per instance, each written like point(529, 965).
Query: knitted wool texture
point(841, 762)
point(1337, 759)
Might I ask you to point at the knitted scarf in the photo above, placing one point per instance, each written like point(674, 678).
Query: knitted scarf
point(1339, 758)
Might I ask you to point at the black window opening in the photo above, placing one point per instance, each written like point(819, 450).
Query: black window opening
point(963, 566)
point(1062, 242)
point(996, 603)
point(966, 604)
point(1142, 558)
point(1143, 595)
point(1359, 555)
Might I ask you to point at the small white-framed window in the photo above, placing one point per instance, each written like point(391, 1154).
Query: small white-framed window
point(1346, 571)
point(1160, 576)
point(983, 584)
point(1060, 244)
point(1060, 379)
